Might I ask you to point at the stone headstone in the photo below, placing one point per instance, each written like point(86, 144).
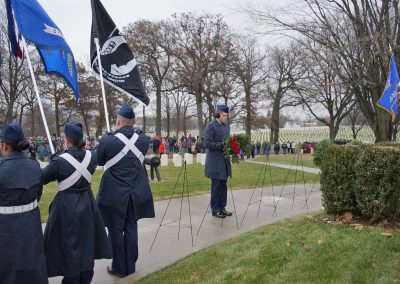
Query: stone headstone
point(203, 159)
point(164, 160)
point(198, 158)
point(188, 158)
point(177, 159)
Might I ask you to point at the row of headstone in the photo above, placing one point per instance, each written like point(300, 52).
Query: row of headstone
point(178, 160)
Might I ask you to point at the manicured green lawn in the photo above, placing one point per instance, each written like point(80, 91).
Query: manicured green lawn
point(299, 250)
point(245, 175)
point(290, 159)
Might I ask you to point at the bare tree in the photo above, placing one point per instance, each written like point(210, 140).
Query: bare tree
point(202, 46)
point(323, 89)
point(152, 42)
point(359, 33)
point(14, 78)
point(285, 73)
point(250, 69)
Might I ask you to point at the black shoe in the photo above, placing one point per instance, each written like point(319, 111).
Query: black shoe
point(219, 214)
point(226, 213)
point(112, 272)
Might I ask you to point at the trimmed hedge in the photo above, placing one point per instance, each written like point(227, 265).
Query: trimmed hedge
point(319, 152)
point(378, 183)
point(337, 178)
point(362, 179)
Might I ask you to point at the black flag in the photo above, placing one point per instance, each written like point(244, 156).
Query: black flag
point(119, 66)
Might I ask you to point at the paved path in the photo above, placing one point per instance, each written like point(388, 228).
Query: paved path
point(290, 167)
point(290, 200)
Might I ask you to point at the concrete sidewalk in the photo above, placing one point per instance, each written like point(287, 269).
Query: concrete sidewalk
point(289, 167)
point(290, 200)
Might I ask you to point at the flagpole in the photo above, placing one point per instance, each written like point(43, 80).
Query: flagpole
point(37, 95)
point(96, 41)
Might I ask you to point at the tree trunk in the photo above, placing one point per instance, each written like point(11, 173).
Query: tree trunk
point(33, 122)
point(200, 124)
point(382, 127)
point(100, 119)
point(158, 110)
point(57, 115)
point(85, 121)
point(275, 119)
point(248, 113)
point(144, 119)
point(178, 120)
point(184, 121)
point(168, 118)
point(21, 114)
point(9, 113)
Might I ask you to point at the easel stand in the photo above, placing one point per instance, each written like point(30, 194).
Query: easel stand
point(262, 176)
point(183, 195)
point(298, 156)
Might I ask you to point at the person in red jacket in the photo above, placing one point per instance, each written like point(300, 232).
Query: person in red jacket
point(161, 149)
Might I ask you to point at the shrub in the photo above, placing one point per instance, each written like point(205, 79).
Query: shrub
point(318, 153)
point(337, 178)
point(356, 142)
point(378, 182)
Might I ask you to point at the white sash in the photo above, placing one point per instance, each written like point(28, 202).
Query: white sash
point(81, 170)
point(129, 146)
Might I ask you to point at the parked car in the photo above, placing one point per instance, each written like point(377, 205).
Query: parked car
point(307, 146)
point(342, 141)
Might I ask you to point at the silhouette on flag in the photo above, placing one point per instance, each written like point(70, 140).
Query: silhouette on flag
point(119, 66)
point(389, 101)
point(39, 29)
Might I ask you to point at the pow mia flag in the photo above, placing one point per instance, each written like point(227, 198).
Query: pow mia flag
point(119, 66)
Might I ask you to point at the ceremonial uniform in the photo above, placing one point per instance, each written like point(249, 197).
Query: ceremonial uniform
point(217, 167)
point(75, 235)
point(124, 195)
point(22, 258)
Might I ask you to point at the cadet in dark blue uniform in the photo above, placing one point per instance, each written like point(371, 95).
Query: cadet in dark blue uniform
point(124, 195)
point(22, 258)
point(75, 235)
point(218, 167)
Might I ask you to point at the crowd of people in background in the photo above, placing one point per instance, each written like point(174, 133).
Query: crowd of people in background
point(185, 144)
point(40, 148)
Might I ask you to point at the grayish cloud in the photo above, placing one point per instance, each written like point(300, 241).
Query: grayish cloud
point(74, 16)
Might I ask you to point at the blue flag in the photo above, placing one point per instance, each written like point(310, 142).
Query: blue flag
point(39, 29)
point(12, 37)
point(389, 101)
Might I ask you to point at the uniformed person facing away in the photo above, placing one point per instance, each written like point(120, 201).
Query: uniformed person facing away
point(218, 167)
point(22, 258)
point(75, 235)
point(124, 195)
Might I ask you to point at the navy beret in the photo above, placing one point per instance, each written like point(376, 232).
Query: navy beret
point(126, 111)
point(223, 108)
point(73, 130)
point(12, 132)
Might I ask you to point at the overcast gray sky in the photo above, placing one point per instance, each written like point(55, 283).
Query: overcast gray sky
point(74, 16)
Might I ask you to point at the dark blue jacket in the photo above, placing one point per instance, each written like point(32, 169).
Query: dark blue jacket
point(75, 234)
point(22, 258)
point(123, 181)
point(217, 165)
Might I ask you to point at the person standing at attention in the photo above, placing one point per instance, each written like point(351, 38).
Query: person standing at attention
point(75, 235)
point(22, 257)
point(218, 167)
point(124, 195)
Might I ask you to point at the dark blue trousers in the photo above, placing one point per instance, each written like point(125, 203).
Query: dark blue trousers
point(84, 278)
point(124, 244)
point(219, 194)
